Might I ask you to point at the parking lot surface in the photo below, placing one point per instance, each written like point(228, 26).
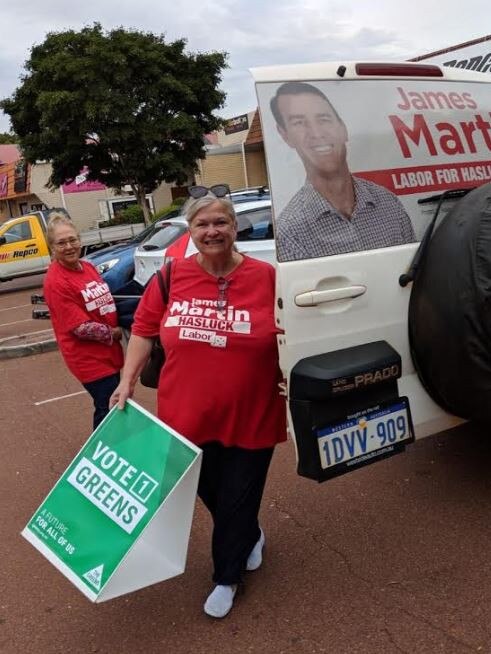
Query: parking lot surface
point(394, 557)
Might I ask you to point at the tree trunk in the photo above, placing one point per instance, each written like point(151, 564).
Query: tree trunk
point(140, 194)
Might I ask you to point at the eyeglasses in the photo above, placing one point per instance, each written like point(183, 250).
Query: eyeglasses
point(218, 190)
point(69, 241)
point(223, 285)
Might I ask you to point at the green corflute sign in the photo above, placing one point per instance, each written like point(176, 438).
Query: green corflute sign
point(119, 517)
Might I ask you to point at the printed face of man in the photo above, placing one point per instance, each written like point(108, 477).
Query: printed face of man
point(312, 128)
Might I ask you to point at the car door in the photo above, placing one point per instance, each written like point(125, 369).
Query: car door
point(24, 249)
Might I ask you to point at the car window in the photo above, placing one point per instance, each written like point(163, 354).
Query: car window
point(255, 225)
point(19, 232)
point(165, 235)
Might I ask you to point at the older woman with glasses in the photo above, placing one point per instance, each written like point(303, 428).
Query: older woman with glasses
point(219, 384)
point(83, 315)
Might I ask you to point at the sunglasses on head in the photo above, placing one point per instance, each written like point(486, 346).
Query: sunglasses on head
point(218, 190)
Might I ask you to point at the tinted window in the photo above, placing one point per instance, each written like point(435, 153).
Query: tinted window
point(255, 225)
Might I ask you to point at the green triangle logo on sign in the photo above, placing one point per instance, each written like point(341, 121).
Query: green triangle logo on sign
point(94, 576)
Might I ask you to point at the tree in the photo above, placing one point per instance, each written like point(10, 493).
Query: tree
point(8, 137)
point(124, 104)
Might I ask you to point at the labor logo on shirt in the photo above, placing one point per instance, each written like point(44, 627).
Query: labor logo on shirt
point(97, 295)
point(202, 320)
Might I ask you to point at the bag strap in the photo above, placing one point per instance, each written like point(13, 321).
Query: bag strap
point(164, 282)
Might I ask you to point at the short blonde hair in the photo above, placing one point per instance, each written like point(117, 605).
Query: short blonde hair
point(55, 219)
point(194, 206)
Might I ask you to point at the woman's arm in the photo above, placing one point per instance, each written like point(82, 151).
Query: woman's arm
point(137, 354)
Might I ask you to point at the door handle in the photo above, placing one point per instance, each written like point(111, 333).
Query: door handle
point(29, 245)
point(313, 298)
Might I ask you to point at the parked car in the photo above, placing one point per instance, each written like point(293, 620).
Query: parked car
point(255, 238)
point(250, 194)
point(115, 263)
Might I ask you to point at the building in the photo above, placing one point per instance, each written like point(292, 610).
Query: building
point(235, 154)
point(23, 188)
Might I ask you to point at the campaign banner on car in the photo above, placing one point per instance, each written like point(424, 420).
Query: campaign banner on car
point(119, 517)
point(417, 138)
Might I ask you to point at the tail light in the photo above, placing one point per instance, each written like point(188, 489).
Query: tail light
point(399, 70)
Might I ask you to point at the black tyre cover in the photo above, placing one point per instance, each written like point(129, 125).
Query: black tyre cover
point(450, 309)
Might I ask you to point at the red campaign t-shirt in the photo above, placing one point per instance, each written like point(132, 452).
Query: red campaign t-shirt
point(74, 297)
point(220, 378)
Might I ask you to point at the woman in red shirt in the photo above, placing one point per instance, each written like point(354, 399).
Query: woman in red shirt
point(219, 384)
point(83, 315)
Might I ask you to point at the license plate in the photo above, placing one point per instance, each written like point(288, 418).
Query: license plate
point(369, 435)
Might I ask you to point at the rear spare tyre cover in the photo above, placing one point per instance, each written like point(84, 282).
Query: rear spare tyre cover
point(450, 309)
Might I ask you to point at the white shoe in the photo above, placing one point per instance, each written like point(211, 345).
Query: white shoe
point(256, 556)
point(220, 601)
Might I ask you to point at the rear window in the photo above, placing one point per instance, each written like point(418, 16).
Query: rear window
point(166, 235)
point(143, 235)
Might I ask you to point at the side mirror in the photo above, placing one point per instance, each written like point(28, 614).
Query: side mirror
point(3, 240)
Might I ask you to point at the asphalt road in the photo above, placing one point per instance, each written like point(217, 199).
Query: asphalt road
point(16, 308)
point(391, 558)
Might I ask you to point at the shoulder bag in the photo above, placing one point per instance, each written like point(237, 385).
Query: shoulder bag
point(150, 374)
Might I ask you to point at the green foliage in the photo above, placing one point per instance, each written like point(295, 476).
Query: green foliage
point(8, 137)
point(125, 104)
point(169, 209)
point(132, 214)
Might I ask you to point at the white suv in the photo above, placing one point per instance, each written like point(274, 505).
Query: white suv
point(255, 238)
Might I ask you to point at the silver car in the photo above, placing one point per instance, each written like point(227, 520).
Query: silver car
point(171, 240)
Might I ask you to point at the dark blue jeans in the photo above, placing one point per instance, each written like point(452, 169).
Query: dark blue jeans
point(231, 486)
point(100, 391)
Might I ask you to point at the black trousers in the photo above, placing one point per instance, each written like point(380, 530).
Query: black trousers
point(101, 390)
point(231, 486)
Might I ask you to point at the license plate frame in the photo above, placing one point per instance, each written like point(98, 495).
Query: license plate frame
point(357, 440)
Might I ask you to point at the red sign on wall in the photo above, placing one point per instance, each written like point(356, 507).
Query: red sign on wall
point(81, 185)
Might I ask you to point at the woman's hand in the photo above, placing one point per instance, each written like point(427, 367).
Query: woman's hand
point(117, 333)
point(123, 391)
point(137, 353)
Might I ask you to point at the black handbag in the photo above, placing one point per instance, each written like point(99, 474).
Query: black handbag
point(150, 374)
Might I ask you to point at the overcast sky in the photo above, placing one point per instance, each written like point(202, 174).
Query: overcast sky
point(254, 33)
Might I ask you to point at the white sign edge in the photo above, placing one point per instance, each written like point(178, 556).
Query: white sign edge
point(197, 461)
